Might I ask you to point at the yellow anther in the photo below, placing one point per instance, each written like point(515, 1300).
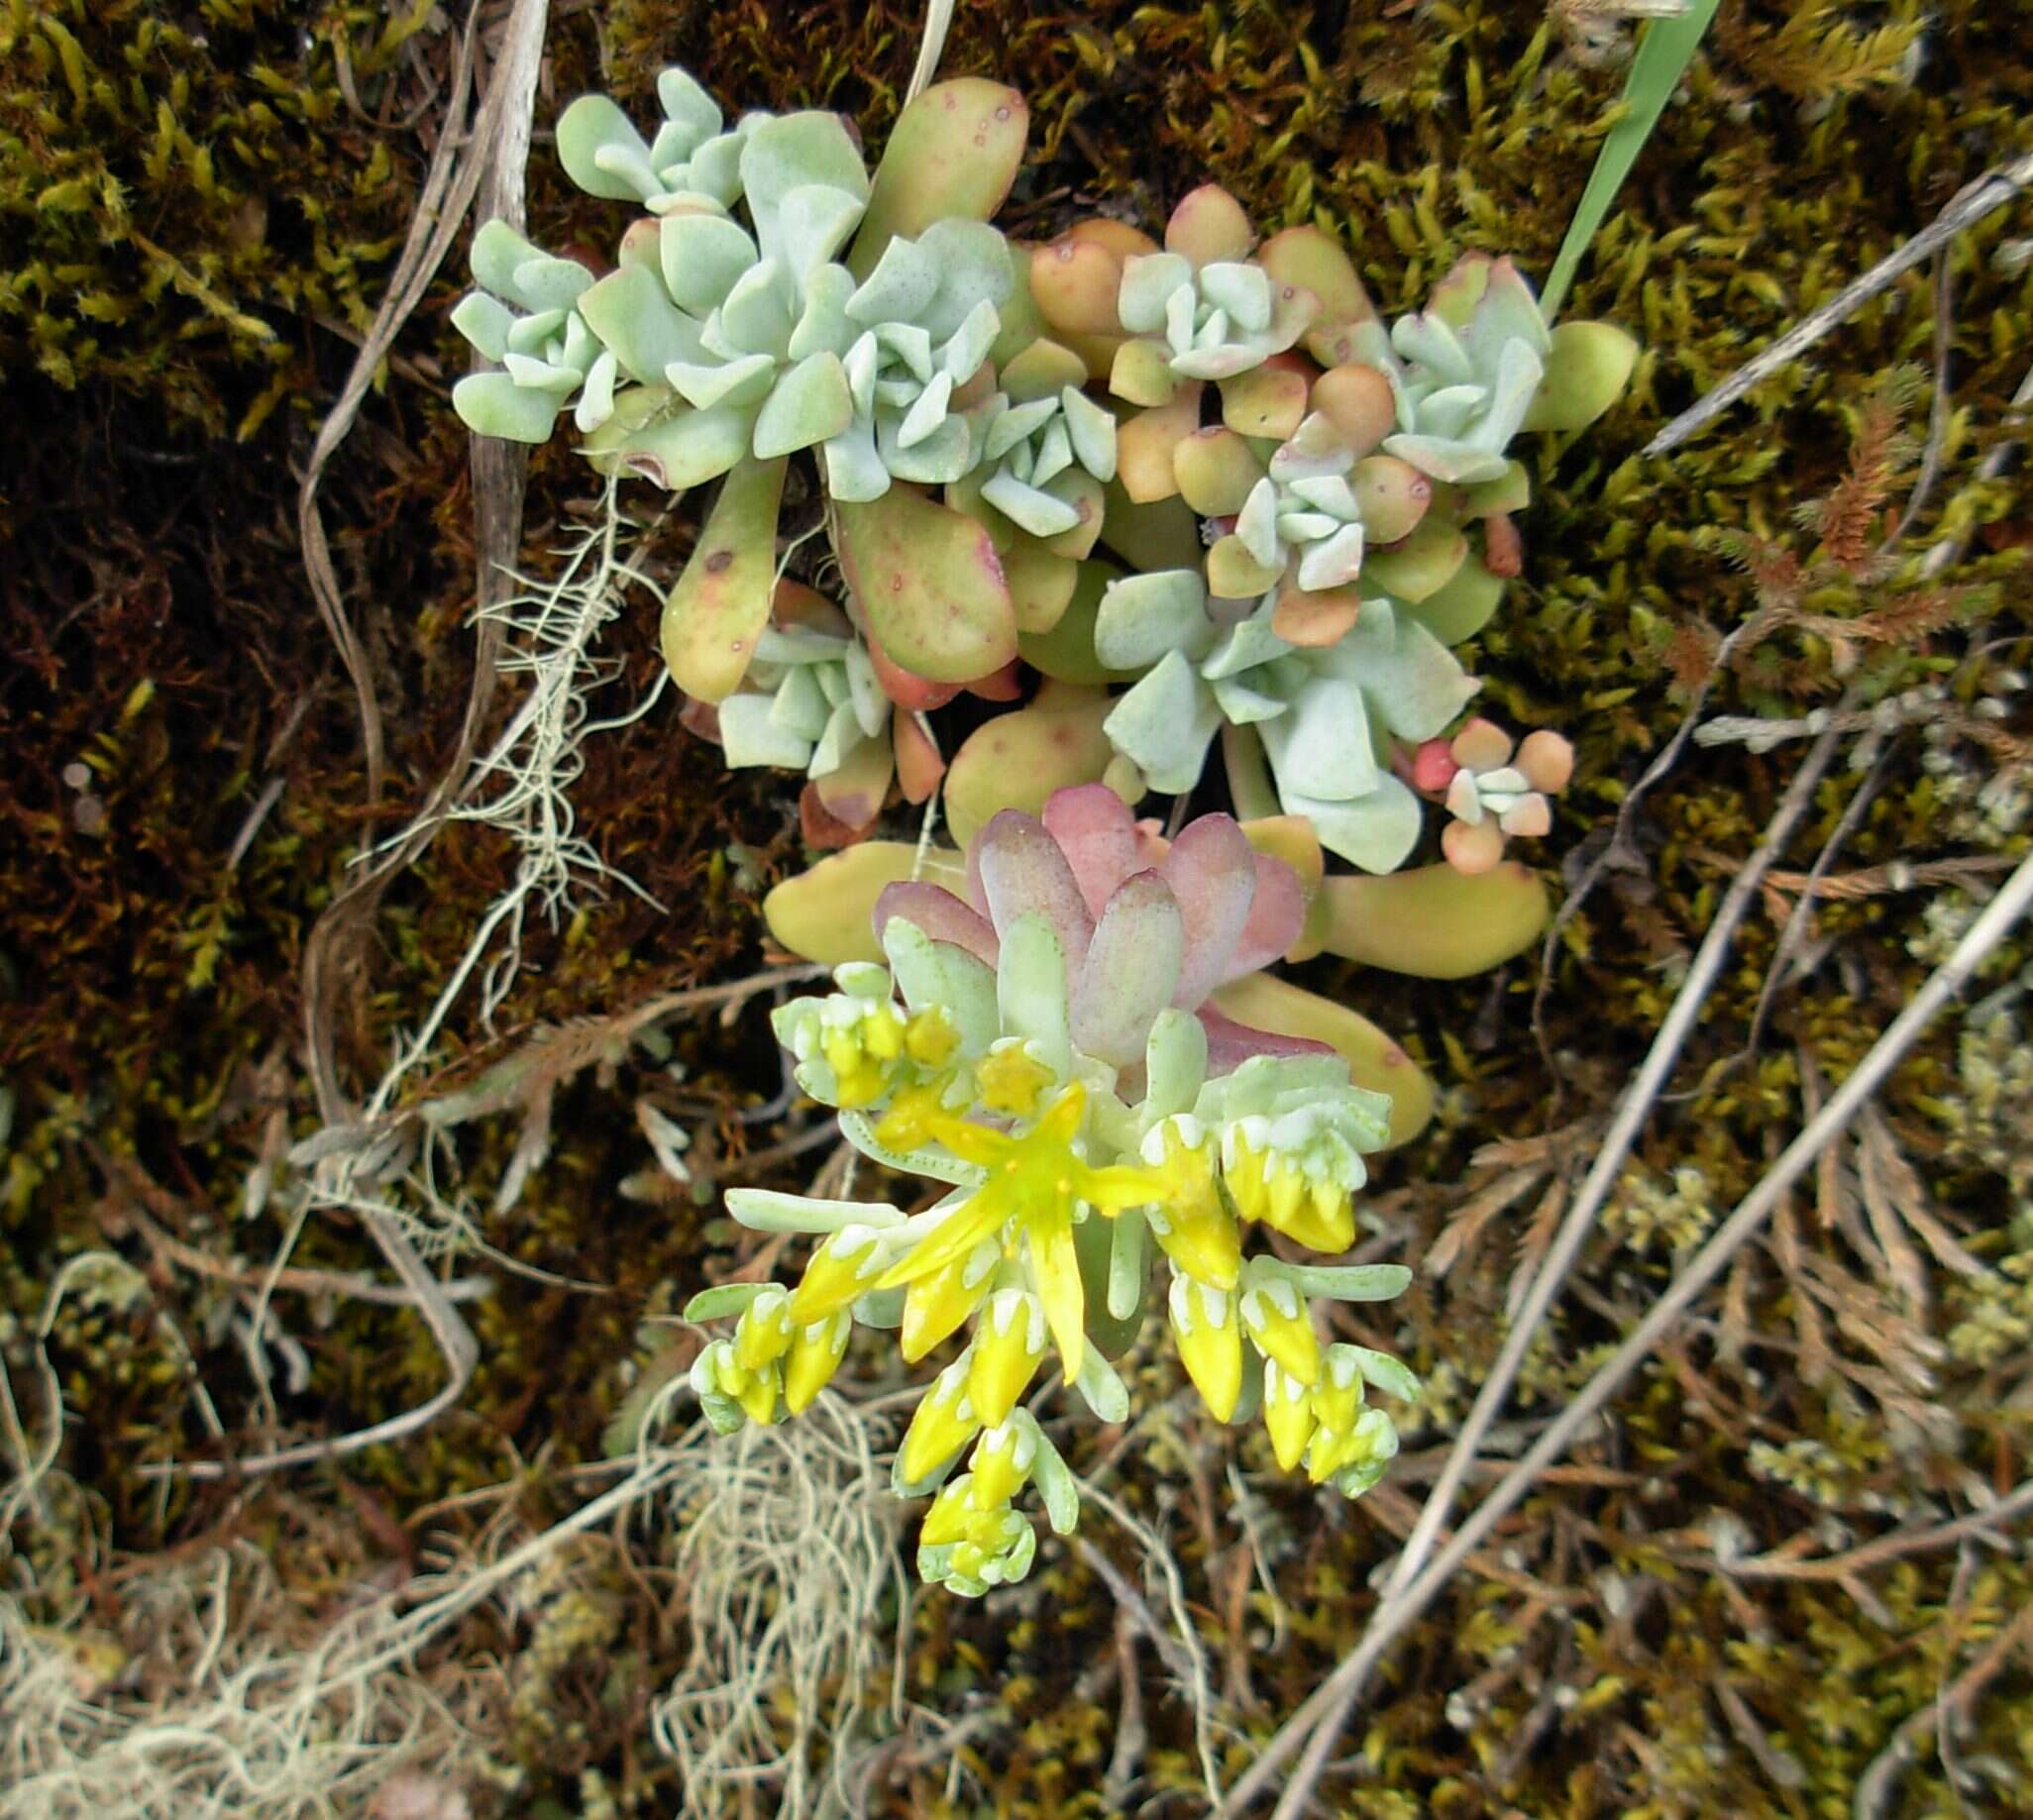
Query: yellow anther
point(1012, 1083)
point(858, 1078)
point(881, 1034)
point(929, 1038)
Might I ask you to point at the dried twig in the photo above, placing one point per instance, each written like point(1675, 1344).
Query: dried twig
point(499, 141)
point(1621, 848)
point(1839, 1568)
point(1581, 1216)
point(1974, 201)
point(1875, 1789)
point(1402, 1606)
point(1797, 923)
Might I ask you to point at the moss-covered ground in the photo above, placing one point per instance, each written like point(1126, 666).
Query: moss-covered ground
point(200, 203)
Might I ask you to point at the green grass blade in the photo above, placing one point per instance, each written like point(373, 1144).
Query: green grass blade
point(1656, 71)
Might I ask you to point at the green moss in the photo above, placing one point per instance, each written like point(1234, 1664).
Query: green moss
point(193, 200)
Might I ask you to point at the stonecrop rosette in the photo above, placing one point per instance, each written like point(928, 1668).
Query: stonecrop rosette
point(1044, 1050)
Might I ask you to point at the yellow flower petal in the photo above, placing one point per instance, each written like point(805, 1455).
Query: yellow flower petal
point(1056, 1267)
point(974, 1220)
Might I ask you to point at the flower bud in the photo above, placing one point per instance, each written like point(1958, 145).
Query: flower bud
point(1210, 1336)
point(945, 1423)
point(842, 1270)
point(951, 1512)
point(1280, 1323)
point(1008, 1345)
point(1012, 1082)
point(815, 1354)
point(1287, 1414)
point(934, 1305)
point(1000, 1464)
point(719, 1371)
point(765, 1331)
point(1295, 1174)
point(1198, 1233)
point(996, 1549)
point(1357, 1459)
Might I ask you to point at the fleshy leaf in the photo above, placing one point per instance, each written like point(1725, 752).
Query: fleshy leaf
point(493, 404)
point(721, 601)
point(1018, 760)
point(1030, 987)
point(1166, 723)
point(1131, 970)
point(952, 154)
point(1023, 873)
point(1433, 921)
point(1374, 1060)
point(1144, 617)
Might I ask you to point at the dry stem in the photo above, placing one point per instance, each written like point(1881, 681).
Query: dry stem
point(1401, 1607)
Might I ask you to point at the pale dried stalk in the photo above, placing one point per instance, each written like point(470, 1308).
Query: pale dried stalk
point(1581, 1216)
point(1976, 200)
point(1402, 1606)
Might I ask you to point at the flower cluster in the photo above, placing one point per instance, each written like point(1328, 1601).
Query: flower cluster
point(1044, 1050)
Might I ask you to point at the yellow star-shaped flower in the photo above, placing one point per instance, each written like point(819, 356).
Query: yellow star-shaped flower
point(1036, 1180)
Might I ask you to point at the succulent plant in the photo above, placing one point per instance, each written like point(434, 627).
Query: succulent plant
point(1326, 714)
point(1491, 788)
point(1068, 1025)
point(926, 317)
point(766, 312)
point(1044, 1050)
point(525, 315)
point(690, 161)
point(1202, 309)
point(1464, 370)
point(810, 697)
point(1048, 449)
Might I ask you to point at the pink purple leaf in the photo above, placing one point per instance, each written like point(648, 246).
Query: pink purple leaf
point(1212, 871)
point(938, 914)
point(1097, 835)
point(1131, 970)
point(1015, 868)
